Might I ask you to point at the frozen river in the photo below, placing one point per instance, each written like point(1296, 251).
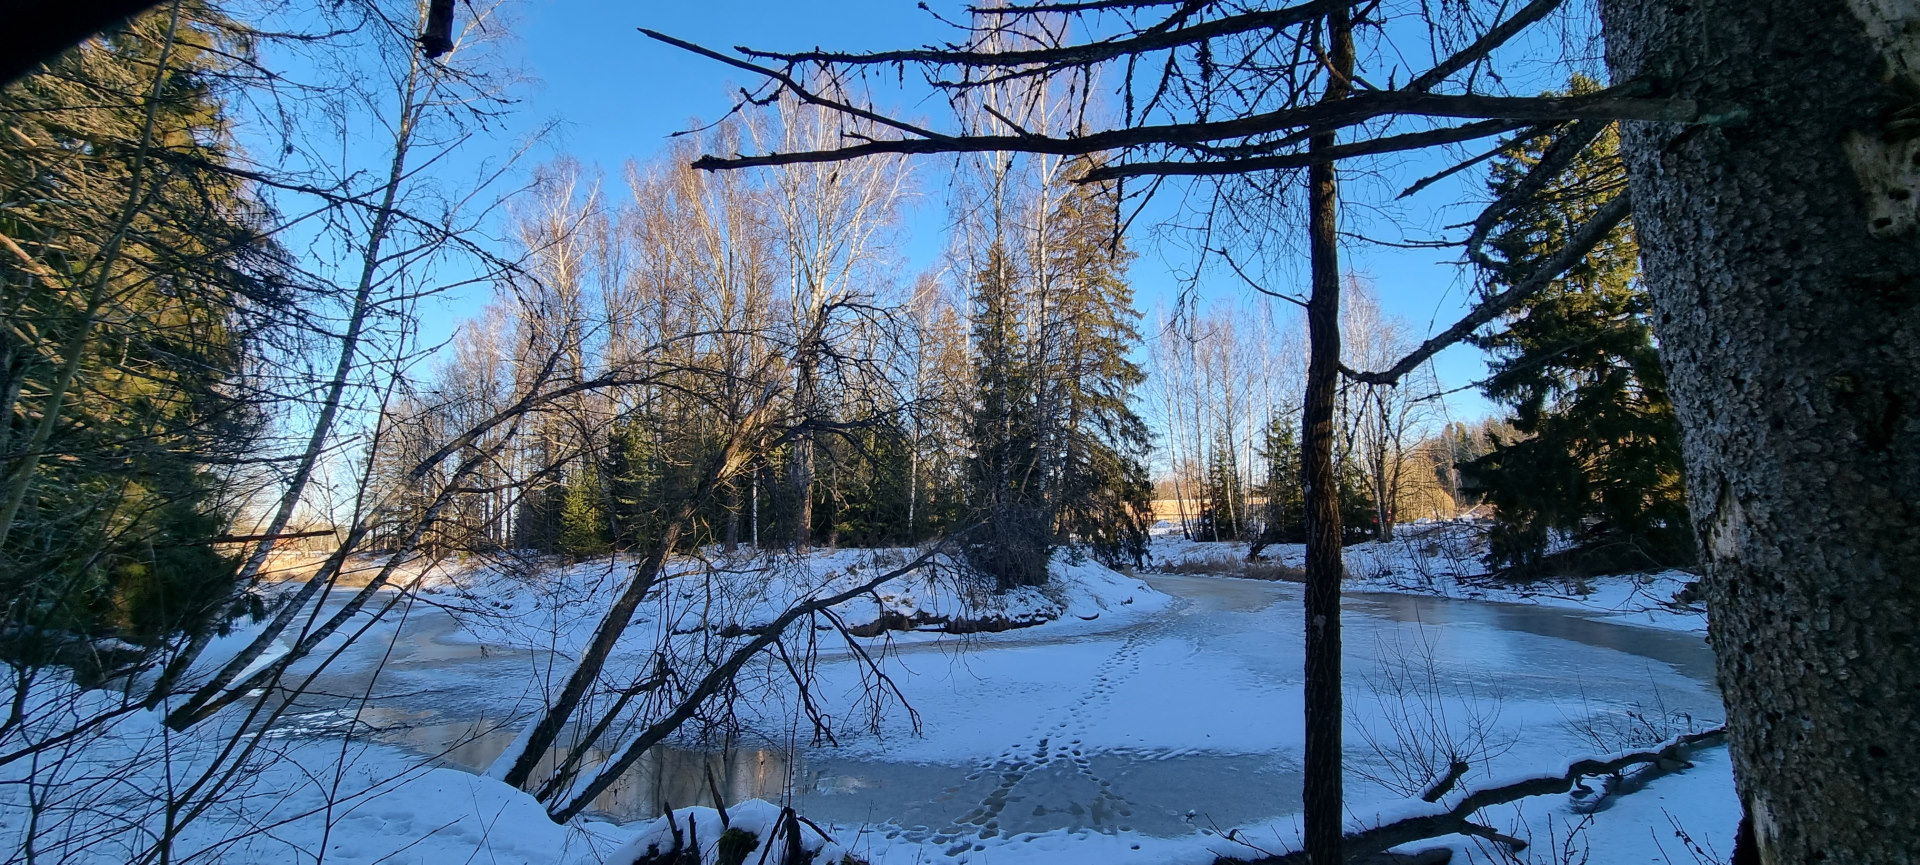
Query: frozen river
point(1188, 719)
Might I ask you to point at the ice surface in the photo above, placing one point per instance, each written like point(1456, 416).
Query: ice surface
point(1143, 722)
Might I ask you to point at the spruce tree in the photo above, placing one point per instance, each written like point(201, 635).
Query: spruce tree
point(1285, 512)
point(1100, 494)
point(134, 284)
point(1596, 456)
point(1016, 538)
point(1058, 453)
point(583, 518)
point(1359, 513)
point(1226, 503)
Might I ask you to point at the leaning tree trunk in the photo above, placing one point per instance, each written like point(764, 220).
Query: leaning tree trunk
point(1784, 263)
point(1322, 791)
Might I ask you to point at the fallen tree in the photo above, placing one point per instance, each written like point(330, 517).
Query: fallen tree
point(1440, 812)
point(597, 780)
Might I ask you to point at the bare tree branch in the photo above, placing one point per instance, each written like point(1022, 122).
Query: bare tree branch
point(1577, 247)
point(606, 774)
point(1457, 817)
point(1368, 147)
point(1484, 46)
point(1319, 117)
point(1146, 40)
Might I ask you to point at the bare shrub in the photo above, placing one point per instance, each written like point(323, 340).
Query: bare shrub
point(1435, 728)
point(1700, 852)
point(1563, 844)
point(1636, 725)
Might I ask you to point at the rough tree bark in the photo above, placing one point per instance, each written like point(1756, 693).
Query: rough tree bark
point(1322, 792)
point(1783, 260)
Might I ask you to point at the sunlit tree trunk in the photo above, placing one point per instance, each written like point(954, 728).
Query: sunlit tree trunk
point(1323, 790)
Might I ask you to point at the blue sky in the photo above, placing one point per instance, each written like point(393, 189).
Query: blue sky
point(617, 95)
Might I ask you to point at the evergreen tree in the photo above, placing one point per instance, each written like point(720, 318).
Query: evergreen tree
point(1017, 536)
point(1597, 450)
point(867, 481)
point(1285, 511)
point(1359, 514)
point(1101, 494)
point(654, 458)
point(636, 479)
point(1226, 503)
point(583, 517)
point(133, 285)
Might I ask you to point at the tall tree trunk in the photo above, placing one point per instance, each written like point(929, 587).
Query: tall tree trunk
point(1785, 271)
point(1322, 790)
point(735, 501)
point(800, 466)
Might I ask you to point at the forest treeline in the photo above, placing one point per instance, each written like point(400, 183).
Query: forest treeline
point(1227, 390)
point(753, 321)
point(674, 359)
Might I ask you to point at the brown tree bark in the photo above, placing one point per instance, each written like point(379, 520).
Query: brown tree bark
point(1784, 266)
point(736, 501)
point(1322, 790)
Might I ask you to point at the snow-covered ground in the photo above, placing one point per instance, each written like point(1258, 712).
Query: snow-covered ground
point(554, 606)
point(1443, 559)
point(1153, 720)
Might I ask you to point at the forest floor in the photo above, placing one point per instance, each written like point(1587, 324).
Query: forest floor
point(1144, 721)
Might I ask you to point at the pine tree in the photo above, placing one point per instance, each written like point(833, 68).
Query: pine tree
point(1597, 454)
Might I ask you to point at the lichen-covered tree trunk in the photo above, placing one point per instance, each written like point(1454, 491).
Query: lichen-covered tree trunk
point(1784, 263)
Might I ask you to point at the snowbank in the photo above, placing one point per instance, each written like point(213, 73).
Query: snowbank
point(747, 826)
point(1443, 559)
point(552, 606)
point(103, 796)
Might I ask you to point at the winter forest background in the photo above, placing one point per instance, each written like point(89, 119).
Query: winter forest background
point(405, 460)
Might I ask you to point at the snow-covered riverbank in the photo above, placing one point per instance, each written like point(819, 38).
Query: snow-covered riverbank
point(555, 606)
point(1143, 722)
point(1443, 559)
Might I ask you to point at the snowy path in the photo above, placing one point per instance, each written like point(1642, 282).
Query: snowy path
point(1125, 731)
